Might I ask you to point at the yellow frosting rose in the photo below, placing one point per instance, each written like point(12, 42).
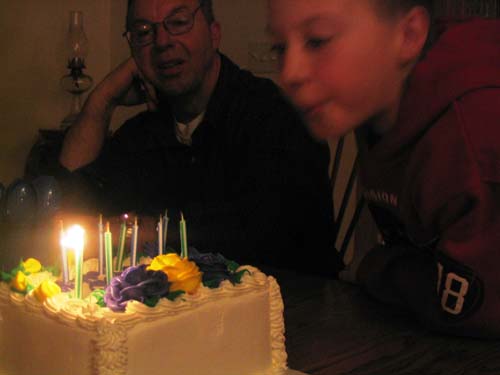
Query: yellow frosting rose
point(32, 265)
point(46, 290)
point(19, 282)
point(182, 273)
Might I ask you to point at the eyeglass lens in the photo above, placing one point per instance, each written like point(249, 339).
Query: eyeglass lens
point(177, 23)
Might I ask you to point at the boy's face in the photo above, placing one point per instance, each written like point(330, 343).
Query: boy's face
point(175, 64)
point(339, 62)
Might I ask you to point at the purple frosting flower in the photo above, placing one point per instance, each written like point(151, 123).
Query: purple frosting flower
point(136, 283)
point(68, 287)
point(91, 278)
point(214, 267)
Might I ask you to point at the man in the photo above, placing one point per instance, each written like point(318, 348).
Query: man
point(426, 120)
point(218, 144)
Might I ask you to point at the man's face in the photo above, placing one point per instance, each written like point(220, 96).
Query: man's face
point(175, 65)
point(338, 61)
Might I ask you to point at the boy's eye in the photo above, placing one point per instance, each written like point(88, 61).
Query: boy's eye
point(278, 49)
point(315, 43)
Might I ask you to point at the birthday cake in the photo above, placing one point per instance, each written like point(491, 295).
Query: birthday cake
point(181, 316)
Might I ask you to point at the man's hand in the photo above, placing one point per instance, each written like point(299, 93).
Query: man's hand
point(85, 139)
point(126, 86)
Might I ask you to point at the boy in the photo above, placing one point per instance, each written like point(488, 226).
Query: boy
point(427, 122)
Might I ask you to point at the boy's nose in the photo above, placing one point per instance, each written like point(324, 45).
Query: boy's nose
point(293, 70)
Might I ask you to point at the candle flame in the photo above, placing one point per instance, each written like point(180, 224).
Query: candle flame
point(73, 238)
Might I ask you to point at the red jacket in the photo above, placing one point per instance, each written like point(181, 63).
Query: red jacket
point(433, 186)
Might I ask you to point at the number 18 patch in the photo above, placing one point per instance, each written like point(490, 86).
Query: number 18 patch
point(459, 289)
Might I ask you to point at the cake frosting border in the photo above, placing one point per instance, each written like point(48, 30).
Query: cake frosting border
point(110, 328)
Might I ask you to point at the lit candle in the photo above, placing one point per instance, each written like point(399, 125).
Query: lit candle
point(108, 250)
point(135, 234)
point(64, 256)
point(121, 245)
point(183, 233)
point(160, 236)
point(74, 239)
point(165, 227)
point(101, 246)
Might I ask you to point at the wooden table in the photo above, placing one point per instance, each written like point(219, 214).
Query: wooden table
point(334, 328)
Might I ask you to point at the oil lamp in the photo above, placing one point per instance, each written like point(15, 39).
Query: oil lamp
point(76, 82)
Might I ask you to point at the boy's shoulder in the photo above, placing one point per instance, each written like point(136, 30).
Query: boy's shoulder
point(479, 115)
point(460, 150)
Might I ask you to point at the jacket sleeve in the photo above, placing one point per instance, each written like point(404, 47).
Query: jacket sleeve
point(452, 286)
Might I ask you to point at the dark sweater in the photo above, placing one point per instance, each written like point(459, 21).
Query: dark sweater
point(253, 185)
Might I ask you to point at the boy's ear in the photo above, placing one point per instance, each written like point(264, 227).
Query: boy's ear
point(413, 34)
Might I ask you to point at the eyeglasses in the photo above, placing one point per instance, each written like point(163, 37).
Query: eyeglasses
point(180, 22)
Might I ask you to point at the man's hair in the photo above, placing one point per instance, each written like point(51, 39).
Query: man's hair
point(206, 8)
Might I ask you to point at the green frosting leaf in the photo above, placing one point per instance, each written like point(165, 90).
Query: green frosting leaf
point(236, 277)
point(7, 277)
point(173, 295)
point(152, 301)
point(212, 284)
point(14, 271)
point(98, 294)
point(232, 266)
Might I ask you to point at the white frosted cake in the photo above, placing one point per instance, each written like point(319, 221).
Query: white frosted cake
point(236, 328)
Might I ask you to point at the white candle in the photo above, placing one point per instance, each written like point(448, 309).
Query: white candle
point(165, 229)
point(108, 248)
point(160, 236)
point(135, 234)
point(64, 256)
point(74, 239)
